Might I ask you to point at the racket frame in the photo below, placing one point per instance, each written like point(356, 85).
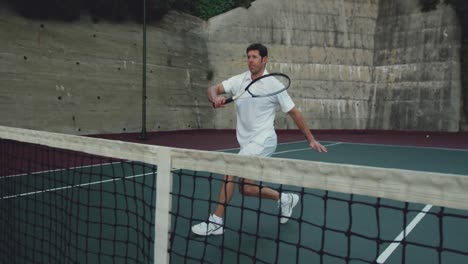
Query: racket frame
point(233, 98)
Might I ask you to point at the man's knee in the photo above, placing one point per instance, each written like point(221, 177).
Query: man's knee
point(248, 189)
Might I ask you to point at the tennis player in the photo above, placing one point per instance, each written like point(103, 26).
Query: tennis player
point(256, 136)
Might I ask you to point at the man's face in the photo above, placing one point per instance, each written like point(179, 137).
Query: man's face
point(255, 62)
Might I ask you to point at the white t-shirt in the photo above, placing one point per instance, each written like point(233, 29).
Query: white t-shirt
point(255, 116)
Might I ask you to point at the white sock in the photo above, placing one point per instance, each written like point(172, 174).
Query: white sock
point(216, 219)
point(284, 198)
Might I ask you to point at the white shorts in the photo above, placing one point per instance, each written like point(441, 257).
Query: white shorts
point(256, 149)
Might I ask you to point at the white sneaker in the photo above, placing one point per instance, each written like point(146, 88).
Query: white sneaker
point(286, 204)
point(211, 227)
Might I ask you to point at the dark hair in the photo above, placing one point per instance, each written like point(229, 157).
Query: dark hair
point(262, 50)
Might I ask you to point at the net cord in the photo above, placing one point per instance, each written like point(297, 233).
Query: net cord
point(447, 190)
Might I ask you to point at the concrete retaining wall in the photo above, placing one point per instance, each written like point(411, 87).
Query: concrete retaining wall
point(355, 64)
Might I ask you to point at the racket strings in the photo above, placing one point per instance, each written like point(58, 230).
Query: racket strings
point(269, 86)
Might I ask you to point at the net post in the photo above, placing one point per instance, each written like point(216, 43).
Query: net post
point(163, 205)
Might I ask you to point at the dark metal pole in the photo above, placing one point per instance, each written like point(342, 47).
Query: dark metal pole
point(143, 119)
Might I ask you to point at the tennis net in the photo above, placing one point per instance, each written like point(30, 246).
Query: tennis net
point(72, 199)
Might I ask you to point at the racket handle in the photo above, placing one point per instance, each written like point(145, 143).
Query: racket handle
point(229, 100)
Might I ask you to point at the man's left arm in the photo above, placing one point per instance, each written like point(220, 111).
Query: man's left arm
point(296, 115)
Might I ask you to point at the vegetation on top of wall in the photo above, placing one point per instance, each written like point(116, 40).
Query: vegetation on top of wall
point(460, 6)
point(209, 8)
point(120, 10)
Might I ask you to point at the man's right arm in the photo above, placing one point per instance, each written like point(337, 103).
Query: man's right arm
point(296, 115)
point(213, 95)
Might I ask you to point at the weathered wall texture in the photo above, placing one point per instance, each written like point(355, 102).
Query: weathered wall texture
point(325, 46)
point(83, 77)
point(355, 64)
point(417, 68)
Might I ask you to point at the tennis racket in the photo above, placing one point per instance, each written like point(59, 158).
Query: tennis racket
point(266, 85)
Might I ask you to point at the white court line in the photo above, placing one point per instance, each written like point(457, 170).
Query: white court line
point(286, 143)
point(405, 146)
point(73, 186)
point(301, 149)
point(56, 170)
point(397, 241)
point(110, 180)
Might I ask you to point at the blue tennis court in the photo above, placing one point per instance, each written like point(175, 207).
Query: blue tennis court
point(104, 211)
point(346, 228)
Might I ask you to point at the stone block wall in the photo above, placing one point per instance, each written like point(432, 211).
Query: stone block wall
point(355, 64)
